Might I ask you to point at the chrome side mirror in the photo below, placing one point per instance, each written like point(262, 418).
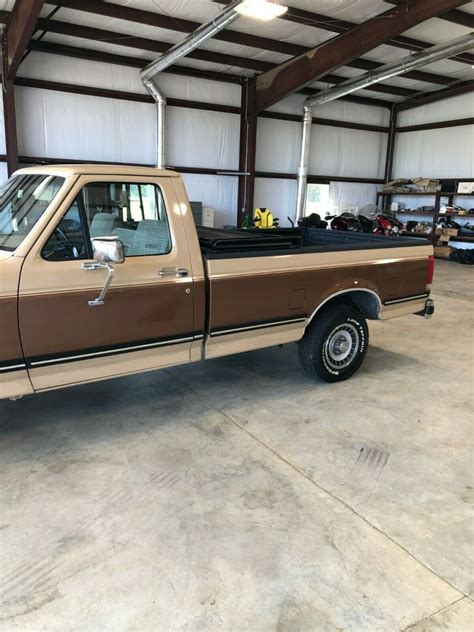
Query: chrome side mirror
point(108, 249)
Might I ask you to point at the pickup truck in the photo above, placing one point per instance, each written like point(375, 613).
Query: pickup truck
point(103, 273)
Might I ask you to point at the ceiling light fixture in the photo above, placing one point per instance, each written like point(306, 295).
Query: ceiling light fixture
point(261, 9)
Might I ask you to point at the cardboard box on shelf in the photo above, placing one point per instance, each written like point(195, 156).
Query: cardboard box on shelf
point(442, 251)
point(422, 228)
point(466, 187)
point(452, 232)
point(426, 185)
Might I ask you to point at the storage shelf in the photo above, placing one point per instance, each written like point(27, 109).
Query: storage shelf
point(464, 238)
point(409, 233)
point(425, 194)
point(384, 197)
point(430, 213)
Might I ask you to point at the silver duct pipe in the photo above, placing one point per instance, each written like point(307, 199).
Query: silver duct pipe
point(304, 161)
point(160, 100)
point(200, 35)
point(435, 53)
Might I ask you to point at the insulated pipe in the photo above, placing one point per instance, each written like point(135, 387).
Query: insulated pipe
point(435, 53)
point(200, 35)
point(304, 161)
point(160, 100)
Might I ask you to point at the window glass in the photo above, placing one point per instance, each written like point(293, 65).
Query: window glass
point(68, 240)
point(23, 200)
point(317, 199)
point(133, 212)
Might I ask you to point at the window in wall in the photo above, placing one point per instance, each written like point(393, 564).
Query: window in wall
point(133, 212)
point(317, 199)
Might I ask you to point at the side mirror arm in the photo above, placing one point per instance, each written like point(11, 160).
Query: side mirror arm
point(100, 265)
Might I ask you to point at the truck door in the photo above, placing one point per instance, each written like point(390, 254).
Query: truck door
point(146, 320)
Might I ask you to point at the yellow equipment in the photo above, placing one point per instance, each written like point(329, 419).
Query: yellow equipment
point(263, 218)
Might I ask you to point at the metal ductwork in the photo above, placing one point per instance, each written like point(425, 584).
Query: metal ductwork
point(435, 53)
point(148, 74)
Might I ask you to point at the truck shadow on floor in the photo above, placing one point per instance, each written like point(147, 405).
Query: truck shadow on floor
point(164, 397)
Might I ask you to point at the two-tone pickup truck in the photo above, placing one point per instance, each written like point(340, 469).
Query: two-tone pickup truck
point(103, 273)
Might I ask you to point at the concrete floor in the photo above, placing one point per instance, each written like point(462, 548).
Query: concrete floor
point(239, 495)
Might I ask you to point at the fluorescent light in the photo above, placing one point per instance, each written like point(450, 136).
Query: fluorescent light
point(261, 9)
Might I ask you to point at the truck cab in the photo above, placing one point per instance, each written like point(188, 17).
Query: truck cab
point(52, 334)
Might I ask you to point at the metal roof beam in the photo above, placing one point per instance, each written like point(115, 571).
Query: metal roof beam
point(275, 84)
point(334, 25)
point(20, 25)
point(140, 16)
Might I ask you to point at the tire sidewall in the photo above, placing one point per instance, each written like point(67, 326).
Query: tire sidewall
point(361, 327)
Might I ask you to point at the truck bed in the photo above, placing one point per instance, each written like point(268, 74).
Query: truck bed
point(233, 243)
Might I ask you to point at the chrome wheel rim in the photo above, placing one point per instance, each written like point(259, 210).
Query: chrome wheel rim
point(341, 346)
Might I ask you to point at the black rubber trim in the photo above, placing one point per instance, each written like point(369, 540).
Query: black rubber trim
point(366, 243)
point(112, 350)
point(407, 299)
point(261, 324)
point(9, 366)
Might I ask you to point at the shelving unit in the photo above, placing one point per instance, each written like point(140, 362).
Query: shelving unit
point(436, 213)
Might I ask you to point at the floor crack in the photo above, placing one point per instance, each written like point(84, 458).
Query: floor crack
point(433, 614)
point(209, 403)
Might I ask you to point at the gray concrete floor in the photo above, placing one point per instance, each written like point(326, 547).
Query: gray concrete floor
point(239, 495)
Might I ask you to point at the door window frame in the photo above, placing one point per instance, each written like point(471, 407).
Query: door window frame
point(78, 187)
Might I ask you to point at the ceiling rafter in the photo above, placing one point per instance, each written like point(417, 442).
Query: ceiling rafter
point(334, 25)
point(463, 87)
point(20, 26)
point(275, 84)
point(134, 62)
point(155, 46)
point(454, 15)
point(150, 18)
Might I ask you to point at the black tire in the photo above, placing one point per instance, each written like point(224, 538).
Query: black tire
point(328, 337)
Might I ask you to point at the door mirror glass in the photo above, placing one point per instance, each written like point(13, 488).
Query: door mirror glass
point(108, 249)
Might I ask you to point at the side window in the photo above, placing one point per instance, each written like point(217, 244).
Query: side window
point(68, 240)
point(133, 212)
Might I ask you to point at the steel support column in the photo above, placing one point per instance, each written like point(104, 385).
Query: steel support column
point(9, 116)
point(248, 149)
point(391, 144)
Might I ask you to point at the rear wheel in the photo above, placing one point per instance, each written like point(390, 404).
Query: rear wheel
point(335, 343)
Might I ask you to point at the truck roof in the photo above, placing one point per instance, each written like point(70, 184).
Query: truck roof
point(99, 169)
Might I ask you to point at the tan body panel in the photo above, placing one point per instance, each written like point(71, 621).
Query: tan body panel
point(14, 380)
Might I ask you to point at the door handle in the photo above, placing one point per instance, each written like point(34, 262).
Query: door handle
point(179, 272)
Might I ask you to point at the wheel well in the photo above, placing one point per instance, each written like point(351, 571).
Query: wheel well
point(366, 301)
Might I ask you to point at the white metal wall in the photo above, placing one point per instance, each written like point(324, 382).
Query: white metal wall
point(334, 151)
point(62, 125)
point(437, 153)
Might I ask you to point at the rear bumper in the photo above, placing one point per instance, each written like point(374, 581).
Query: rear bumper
point(429, 309)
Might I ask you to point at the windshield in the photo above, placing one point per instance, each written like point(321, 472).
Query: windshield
point(23, 200)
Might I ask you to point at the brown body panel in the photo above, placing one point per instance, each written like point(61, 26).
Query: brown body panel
point(64, 322)
point(239, 300)
point(10, 347)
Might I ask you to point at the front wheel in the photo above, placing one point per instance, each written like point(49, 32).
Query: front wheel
point(335, 344)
